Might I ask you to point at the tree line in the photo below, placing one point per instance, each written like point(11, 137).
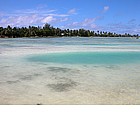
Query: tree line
point(48, 30)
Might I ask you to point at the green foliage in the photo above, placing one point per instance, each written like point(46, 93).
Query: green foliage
point(49, 30)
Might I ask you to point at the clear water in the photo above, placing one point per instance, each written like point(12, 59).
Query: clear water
point(70, 42)
point(89, 58)
point(70, 71)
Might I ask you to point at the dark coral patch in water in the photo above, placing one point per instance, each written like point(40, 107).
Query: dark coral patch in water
point(13, 82)
point(58, 69)
point(62, 86)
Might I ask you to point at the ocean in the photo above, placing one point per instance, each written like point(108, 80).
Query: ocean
point(70, 70)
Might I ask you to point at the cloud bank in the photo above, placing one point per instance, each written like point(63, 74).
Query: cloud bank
point(68, 19)
point(34, 17)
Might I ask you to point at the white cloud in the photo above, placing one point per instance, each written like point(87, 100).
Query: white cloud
point(121, 28)
point(88, 23)
point(64, 19)
point(132, 22)
point(1, 14)
point(48, 19)
point(26, 17)
point(106, 8)
point(20, 20)
point(72, 11)
point(58, 15)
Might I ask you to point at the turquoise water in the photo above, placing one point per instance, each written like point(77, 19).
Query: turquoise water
point(70, 42)
point(71, 70)
point(89, 58)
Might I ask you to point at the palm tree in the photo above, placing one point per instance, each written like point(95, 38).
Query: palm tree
point(49, 30)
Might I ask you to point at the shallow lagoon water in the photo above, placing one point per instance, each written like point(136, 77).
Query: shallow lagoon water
point(70, 71)
point(88, 58)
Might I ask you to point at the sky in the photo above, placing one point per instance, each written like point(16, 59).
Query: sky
point(120, 16)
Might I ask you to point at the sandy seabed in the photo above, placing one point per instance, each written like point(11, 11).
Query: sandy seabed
point(43, 83)
point(23, 82)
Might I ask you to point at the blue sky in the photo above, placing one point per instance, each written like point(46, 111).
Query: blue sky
point(108, 15)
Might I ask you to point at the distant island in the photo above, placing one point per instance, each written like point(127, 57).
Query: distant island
point(49, 31)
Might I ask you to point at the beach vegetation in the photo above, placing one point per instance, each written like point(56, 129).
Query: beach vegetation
point(49, 31)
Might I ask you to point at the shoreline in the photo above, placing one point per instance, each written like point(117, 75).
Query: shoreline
point(62, 37)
